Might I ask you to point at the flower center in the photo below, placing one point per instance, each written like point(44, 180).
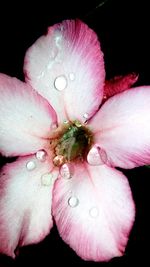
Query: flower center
point(72, 142)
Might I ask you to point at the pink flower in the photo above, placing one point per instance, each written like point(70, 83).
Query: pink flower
point(68, 148)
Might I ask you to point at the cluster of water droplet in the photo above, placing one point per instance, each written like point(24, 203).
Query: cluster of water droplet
point(73, 202)
point(41, 156)
point(66, 173)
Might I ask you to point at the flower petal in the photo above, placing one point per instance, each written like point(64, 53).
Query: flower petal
point(94, 211)
point(25, 118)
point(122, 128)
point(66, 67)
point(25, 203)
point(119, 84)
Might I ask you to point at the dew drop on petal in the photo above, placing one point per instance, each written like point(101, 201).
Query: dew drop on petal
point(65, 171)
point(47, 179)
point(30, 165)
point(41, 155)
point(60, 83)
point(96, 156)
point(71, 76)
point(85, 117)
point(94, 212)
point(93, 156)
point(73, 202)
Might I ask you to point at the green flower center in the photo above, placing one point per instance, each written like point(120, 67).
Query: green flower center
point(73, 143)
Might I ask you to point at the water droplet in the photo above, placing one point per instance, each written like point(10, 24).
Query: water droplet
point(41, 155)
point(94, 212)
point(72, 76)
point(93, 156)
point(47, 179)
point(65, 171)
point(86, 117)
point(30, 165)
point(73, 201)
point(60, 83)
point(96, 156)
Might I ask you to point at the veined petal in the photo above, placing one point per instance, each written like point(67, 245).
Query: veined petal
point(66, 67)
point(94, 211)
point(25, 118)
point(25, 203)
point(122, 128)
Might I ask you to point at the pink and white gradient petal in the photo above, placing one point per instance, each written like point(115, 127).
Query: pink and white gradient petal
point(25, 118)
point(94, 211)
point(25, 203)
point(66, 67)
point(123, 131)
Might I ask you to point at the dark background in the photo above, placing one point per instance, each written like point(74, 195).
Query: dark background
point(123, 28)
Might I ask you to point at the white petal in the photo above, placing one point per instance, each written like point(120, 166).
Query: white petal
point(25, 203)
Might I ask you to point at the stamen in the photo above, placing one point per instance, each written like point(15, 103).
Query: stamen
point(58, 160)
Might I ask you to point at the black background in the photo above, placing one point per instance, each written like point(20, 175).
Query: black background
point(123, 28)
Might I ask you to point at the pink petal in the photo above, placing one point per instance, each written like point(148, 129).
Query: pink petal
point(94, 211)
point(66, 67)
point(25, 118)
point(122, 128)
point(25, 203)
point(119, 84)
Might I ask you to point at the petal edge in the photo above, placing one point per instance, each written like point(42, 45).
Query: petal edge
point(70, 50)
point(97, 227)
